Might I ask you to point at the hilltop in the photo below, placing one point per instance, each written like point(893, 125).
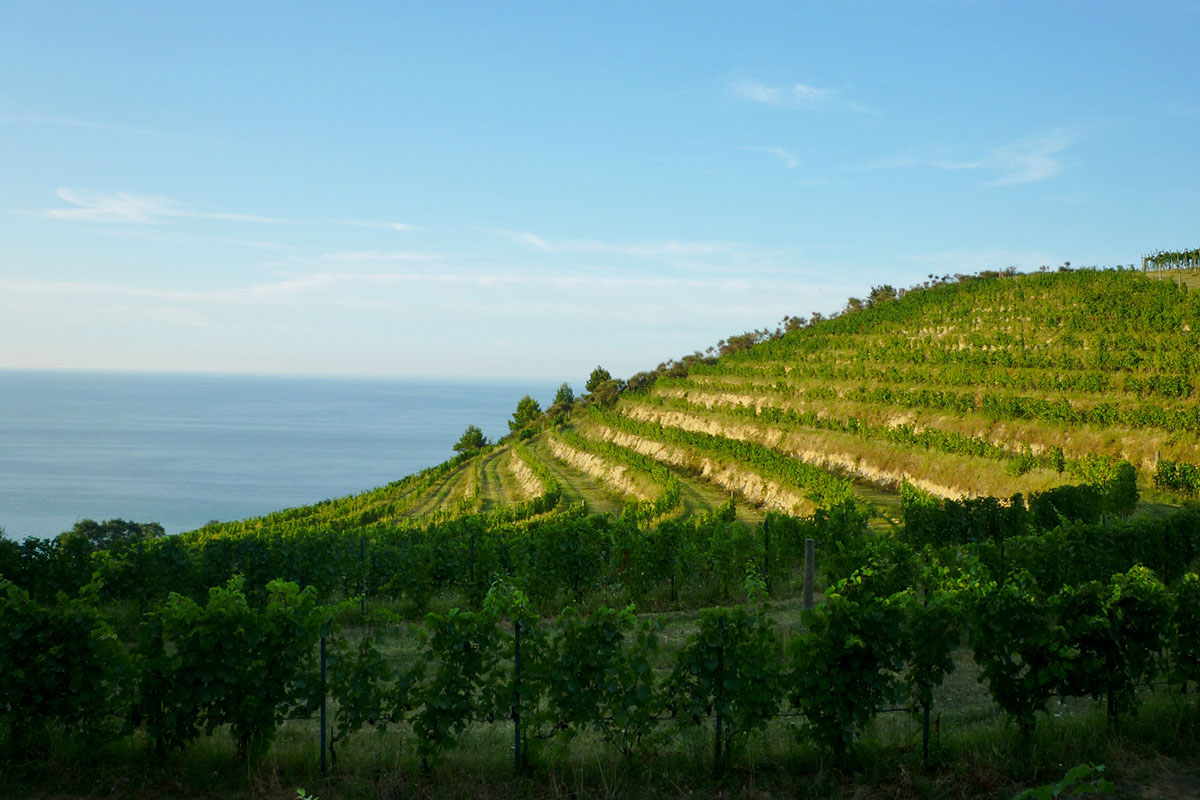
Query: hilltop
point(983, 385)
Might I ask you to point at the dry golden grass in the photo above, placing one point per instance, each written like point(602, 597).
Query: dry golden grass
point(731, 476)
point(883, 463)
point(1140, 447)
point(619, 477)
point(527, 483)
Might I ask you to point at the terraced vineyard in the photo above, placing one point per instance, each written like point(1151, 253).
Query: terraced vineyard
point(984, 387)
point(864, 469)
point(987, 386)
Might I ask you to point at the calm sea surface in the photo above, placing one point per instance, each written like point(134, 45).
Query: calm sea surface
point(181, 450)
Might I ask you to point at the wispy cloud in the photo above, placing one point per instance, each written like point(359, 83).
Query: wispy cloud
point(337, 287)
point(374, 256)
point(123, 207)
point(1026, 160)
point(636, 250)
point(798, 95)
point(261, 291)
point(521, 237)
point(71, 122)
point(789, 159)
point(390, 226)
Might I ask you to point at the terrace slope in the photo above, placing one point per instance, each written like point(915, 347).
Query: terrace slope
point(985, 385)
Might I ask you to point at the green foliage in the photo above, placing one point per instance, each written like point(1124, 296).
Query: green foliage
point(1119, 630)
point(457, 678)
point(472, 440)
point(607, 393)
point(1178, 476)
point(358, 681)
point(528, 412)
point(599, 375)
point(565, 396)
point(1116, 633)
point(597, 679)
point(730, 669)
point(821, 486)
point(228, 663)
point(1024, 656)
point(929, 520)
point(62, 665)
point(931, 630)
point(1172, 259)
point(846, 667)
point(881, 294)
point(1092, 779)
point(1185, 623)
point(104, 535)
point(670, 490)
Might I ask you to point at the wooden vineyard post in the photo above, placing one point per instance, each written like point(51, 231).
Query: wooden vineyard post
point(322, 737)
point(810, 572)
point(767, 553)
point(925, 733)
point(362, 575)
point(516, 696)
point(718, 698)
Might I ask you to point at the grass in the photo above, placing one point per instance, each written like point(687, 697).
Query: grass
point(1186, 277)
point(977, 755)
point(976, 752)
point(622, 480)
point(576, 485)
point(445, 493)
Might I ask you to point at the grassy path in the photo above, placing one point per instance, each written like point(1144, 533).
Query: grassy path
point(699, 496)
point(443, 495)
point(508, 494)
point(490, 491)
point(577, 486)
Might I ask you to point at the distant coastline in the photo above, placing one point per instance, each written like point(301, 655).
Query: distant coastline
point(181, 449)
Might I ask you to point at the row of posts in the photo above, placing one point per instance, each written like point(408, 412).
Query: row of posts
point(810, 547)
point(809, 569)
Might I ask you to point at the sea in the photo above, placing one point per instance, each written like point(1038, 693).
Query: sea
point(186, 449)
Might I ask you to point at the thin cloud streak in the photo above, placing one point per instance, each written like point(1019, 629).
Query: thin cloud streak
point(402, 227)
point(124, 207)
point(521, 237)
point(789, 159)
point(322, 284)
point(641, 250)
point(1028, 160)
point(71, 122)
point(798, 96)
point(369, 256)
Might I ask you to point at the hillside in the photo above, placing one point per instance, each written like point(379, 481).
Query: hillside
point(665, 631)
point(979, 386)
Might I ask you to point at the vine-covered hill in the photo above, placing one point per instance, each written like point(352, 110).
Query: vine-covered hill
point(1075, 390)
point(981, 386)
point(986, 386)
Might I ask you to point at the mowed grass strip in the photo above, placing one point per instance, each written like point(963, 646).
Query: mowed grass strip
point(576, 485)
point(444, 495)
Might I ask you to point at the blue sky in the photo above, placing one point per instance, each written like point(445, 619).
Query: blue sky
point(531, 189)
